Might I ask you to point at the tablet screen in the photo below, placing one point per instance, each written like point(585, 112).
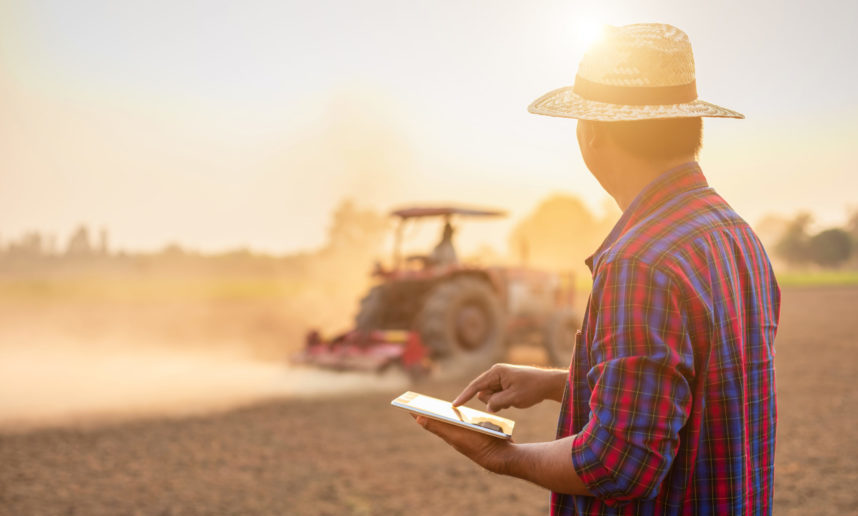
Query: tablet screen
point(460, 416)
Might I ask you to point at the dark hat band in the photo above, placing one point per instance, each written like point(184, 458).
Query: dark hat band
point(635, 95)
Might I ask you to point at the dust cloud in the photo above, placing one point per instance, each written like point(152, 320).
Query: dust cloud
point(45, 387)
point(91, 335)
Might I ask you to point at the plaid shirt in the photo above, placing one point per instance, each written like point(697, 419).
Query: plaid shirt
point(671, 392)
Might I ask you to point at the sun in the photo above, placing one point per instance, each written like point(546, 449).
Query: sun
point(588, 31)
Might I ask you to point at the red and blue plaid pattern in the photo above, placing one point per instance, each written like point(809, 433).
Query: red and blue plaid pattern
point(671, 392)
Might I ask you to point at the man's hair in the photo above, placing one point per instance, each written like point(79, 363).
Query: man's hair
point(664, 138)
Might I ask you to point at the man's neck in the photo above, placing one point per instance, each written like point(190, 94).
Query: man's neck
point(627, 177)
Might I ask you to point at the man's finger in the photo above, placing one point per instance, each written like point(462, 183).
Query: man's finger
point(438, 428)
point(484, 396)
point(482, 382)
point(500, 400)
point(433, 426)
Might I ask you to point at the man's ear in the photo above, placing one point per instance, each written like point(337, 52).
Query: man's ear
point(598, 134)
point(591, 134)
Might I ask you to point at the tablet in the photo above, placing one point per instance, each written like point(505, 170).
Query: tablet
point(465, 417)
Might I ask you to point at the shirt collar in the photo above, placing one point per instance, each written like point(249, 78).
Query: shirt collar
point(668, 185)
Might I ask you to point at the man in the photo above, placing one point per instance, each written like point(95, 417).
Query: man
point(668, 406)
point(444, 253)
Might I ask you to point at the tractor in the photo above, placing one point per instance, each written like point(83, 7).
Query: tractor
point(433, 310)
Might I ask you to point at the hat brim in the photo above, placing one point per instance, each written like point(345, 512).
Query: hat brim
point(563, 102)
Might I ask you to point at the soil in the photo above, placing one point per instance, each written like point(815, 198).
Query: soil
point(354, 454)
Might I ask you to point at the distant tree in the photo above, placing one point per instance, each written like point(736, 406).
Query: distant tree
point(355, 230)
point(852, 226)
point(79, 243)
point(173, 250)
point(793, 245)
point(340, 272)
point(770, 228)
point(830, 248)
point(103, 242)
point(560, 233)
point(51, 244)
point(30, 245)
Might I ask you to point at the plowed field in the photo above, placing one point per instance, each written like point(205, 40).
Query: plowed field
point(354, 454)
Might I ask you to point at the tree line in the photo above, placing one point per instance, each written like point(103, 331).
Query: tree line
point(833, 247)
point(557, 234)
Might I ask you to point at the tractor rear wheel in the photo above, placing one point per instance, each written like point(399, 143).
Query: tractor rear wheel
point(462, 324)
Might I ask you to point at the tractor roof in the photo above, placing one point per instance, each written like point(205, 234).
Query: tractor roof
point(446, 211)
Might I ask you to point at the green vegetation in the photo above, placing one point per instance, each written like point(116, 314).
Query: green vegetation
point(817, 278)
point(134, 288)
point(33, 268)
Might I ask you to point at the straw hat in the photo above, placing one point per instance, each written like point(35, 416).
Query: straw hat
point(634, 72)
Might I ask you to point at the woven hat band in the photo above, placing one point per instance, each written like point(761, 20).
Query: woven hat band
point(635, 95)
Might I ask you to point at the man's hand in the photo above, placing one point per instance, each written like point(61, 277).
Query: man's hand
point(489, 452)
point(506, 385)
point(545, 464)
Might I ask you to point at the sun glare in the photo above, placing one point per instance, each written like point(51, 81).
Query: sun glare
point(588, 31)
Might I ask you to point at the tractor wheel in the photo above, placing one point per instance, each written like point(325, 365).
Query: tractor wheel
point(462, 324)
point(371, 311)
point(559, 338)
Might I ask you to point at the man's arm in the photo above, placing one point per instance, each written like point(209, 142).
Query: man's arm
point(547, 464)
point(641, 358)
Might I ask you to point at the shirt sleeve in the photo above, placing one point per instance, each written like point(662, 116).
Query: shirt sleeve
point(641, 362)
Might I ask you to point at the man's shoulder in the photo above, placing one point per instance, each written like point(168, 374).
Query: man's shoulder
point(676, 230)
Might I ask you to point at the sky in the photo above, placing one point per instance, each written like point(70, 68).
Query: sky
point(242, 124)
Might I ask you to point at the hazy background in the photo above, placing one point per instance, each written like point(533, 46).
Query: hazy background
point(227, 124)
point(187, 187)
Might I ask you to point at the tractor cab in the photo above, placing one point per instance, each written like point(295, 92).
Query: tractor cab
point(443, 258)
